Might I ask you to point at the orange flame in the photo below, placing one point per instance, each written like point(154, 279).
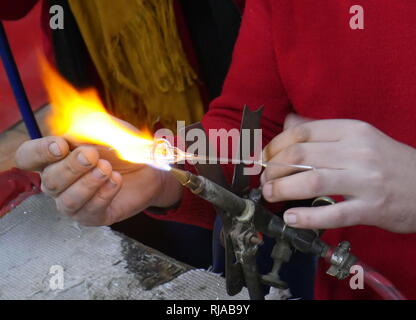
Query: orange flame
point(81, 116)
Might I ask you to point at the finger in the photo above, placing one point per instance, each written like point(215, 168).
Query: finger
point(343, 214)
point(314, 131)
point(97, 211)
point(293, 119)
point(74, 198)
point(316, 154)
point(59, 176)
point(311, 184)
point(36, 154)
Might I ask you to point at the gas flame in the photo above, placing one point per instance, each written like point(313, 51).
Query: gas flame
point(80, 115)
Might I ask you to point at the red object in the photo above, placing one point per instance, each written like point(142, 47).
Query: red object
point(17, 9)
point(25, 37)
point(15, 186)
point(380, 284)
point(302, 56)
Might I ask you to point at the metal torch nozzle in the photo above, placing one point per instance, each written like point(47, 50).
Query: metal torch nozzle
point(188, 180)
point(214, 193)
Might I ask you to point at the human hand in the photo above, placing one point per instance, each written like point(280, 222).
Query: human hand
point(91, 184)
point(375, 174)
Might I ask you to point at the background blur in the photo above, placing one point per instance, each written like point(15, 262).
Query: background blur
point(24, 35)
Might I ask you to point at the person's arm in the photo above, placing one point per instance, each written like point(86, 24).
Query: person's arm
point(97, 190)
point(253, 79)
point(15, 10)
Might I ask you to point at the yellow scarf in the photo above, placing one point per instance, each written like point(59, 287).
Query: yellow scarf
point(138, 54)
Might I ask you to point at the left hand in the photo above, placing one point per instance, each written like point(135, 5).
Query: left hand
point(375, 174)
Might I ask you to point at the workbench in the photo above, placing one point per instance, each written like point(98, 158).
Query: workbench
point(46, 255)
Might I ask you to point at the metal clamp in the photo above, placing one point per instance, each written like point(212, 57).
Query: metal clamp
point(341, 261)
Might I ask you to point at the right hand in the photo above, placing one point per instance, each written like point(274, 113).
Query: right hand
point(94, 187)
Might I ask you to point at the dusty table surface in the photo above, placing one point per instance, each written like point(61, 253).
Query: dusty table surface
point(45, 255)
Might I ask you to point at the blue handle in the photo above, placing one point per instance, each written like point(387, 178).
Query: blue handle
point(17, 86)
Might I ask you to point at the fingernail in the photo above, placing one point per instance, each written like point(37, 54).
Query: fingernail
point(55, 150)
point(98, 173)
point(290, 218)
point(83, 160)
point(267, 190)
point(112, 183)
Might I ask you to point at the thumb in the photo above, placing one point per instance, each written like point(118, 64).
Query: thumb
point(293, 120)
point(36, 154)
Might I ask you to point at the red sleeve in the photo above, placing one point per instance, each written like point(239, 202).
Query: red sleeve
point(15, 10)
point(254, 80)
point(15, 186)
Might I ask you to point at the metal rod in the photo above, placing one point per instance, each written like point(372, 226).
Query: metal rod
point(211, 192)
point(251, 276)
point(264, 164)
point(17, 86)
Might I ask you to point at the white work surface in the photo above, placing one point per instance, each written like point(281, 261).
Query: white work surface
point(97, 262)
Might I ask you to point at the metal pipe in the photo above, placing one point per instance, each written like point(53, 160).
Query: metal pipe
point(265, 221)
point(17, 86)
point(251, 277)
point(212, 192)
point(304, 240)
point(379, 283)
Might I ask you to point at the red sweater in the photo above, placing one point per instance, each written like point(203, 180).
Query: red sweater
point(302, 56)
point(15, 10)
